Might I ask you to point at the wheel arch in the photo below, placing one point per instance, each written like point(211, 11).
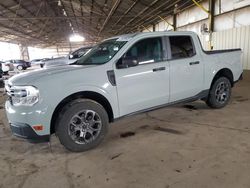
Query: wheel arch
point(83, 94)
point(224, 72)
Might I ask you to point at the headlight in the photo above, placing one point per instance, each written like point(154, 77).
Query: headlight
point(23, 95)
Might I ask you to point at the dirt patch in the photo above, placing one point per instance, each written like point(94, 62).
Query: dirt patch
point(144, 127)
point(168, 130)
point(242, 100)
point(189, 107)
point(238, 97)
point(116, 156)
point(127, 134)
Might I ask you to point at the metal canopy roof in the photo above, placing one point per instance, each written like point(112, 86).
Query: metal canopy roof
point(50, 22)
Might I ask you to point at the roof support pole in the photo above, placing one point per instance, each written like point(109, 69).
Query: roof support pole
point(175, 21)
point(211, 22)
point(153, 27)
point(24, 52)
point(210, 13)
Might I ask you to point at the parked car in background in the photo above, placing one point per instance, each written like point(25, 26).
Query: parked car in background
point(10, 65)
point(38, 61)
point(5, 68)
point(35, 61)
point(120, 76)
point(69, 59)
point(18, 64)
point(28, 63)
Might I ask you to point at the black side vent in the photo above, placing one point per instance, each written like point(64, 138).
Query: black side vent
point(111, 77)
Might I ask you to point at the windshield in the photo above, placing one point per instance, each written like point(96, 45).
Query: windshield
point(101, 53)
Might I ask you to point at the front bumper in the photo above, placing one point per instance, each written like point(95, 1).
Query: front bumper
point(25, 131)
point(23, 119)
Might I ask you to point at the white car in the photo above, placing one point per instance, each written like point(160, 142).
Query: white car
point(5, 68)
point(120, 76)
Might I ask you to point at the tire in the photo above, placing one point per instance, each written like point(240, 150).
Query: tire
point(76, 121)
point(19, 67)
point(220, 93)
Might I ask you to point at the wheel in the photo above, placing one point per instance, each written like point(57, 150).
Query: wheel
point(19, 67)
point(82, 125)
point(220, 93)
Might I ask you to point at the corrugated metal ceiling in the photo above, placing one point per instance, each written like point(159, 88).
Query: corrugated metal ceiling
point(49, 22)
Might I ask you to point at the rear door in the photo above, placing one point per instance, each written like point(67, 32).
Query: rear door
point(186, 69)
point(145, 85)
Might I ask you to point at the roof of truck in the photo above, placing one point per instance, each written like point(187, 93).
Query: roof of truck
point(127, 37)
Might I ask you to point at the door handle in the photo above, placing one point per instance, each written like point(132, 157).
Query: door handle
point(159, 69)
point(194, 63)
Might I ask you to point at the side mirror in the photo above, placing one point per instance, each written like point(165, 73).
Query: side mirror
point(127, 62)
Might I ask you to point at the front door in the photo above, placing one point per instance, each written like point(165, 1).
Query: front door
point(146, 84)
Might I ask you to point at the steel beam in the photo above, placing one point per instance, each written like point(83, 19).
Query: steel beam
point(113, 9)
point(126, 12)
point(141, 12)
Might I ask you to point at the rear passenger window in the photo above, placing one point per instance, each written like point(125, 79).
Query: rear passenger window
point(181, 47)
point(146, 51)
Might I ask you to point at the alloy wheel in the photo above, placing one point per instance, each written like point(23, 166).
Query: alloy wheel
point(85, 126)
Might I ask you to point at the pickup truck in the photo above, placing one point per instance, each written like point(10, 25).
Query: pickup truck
point(120, 76)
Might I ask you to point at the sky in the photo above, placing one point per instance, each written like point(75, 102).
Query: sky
point(9, 51)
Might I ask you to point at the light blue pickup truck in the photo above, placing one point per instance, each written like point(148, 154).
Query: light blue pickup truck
point(120, 76)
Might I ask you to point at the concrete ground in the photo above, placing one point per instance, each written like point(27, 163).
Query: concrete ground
point(182, 146)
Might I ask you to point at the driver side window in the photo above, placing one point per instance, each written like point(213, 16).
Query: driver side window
point(146, 51)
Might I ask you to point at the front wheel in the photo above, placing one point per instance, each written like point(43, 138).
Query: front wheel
point(220, 93)
point(19, 67)
point(82, 125)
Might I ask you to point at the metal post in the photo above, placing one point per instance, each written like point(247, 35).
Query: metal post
point(174, 21)
point(210, 13)
point(211, 21)
point(153, 27)
point(24, 52)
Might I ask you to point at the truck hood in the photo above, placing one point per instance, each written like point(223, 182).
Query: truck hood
point(29, 77)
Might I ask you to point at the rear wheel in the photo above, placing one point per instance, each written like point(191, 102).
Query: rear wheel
point(82, 125)
point(220, 93)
